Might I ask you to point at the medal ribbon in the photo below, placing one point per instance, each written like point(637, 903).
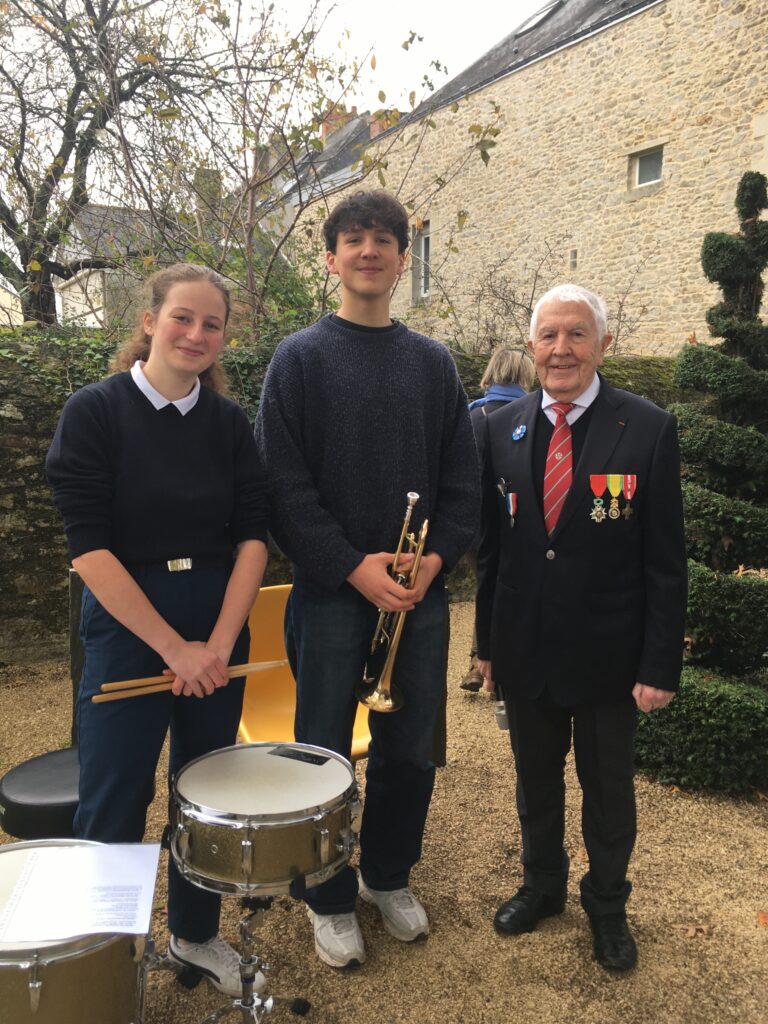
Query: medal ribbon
point(598, 482)
point(615, 484)
point(630, 485)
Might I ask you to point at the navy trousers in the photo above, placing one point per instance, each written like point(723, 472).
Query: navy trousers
point(120, 741)
point(328, 636)
point(603, 742)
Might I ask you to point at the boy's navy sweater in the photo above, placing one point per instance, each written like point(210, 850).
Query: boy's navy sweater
point(350, 421)
point(150, 485)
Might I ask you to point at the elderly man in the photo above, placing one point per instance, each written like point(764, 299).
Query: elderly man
point(580, 606)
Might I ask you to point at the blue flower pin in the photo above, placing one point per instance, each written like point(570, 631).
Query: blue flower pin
point(519, 432)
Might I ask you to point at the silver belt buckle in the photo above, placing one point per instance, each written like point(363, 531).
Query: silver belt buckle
point(179, 564)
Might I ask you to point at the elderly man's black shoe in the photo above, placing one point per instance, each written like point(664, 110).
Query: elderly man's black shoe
point(614, 947)
point(524, 911)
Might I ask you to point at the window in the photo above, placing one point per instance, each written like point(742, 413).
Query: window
point(538, 17)
point(420, 254)
point(645, 168)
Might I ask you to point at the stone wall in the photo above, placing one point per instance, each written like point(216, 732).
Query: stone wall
point(33, 565)
point(687, 74)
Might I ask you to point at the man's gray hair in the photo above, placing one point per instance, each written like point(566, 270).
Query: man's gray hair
point(574, 293)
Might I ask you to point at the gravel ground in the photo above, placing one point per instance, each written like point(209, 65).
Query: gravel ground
point(700, 871)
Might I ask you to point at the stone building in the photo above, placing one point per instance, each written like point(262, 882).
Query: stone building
point(625, 126)
point(115, 238)
point(10, 306)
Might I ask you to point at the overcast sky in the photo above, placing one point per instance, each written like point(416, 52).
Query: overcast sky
point(454, 33)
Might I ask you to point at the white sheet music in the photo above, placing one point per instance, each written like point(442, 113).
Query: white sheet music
point(65, 891)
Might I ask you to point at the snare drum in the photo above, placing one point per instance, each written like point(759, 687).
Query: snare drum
point(93, 979)
point(255, 817)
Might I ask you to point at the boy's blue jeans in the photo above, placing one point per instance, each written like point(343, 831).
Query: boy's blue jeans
point(328, 636)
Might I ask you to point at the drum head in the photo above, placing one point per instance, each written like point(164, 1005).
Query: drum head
point(269, 780)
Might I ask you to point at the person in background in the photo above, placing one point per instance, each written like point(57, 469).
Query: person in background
point(165, 507)
point(508, 375)
point(580, 607)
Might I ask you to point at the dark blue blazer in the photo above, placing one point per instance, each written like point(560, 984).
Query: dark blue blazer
point(599, 605)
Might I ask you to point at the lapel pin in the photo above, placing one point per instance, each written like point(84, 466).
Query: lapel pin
point(519, 432)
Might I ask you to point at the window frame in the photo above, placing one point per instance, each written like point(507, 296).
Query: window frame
point(635, 162)
point(420, 262)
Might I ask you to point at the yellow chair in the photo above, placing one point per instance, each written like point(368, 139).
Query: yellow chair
point(270, 696)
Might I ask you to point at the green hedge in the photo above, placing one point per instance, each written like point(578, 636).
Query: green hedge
point(742, 392)
point(722, 532)
point(651, 377)
point(722, 455)
point(713, 735)
point(727, 619)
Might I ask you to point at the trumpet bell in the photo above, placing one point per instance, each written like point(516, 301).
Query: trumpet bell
point(372, 696)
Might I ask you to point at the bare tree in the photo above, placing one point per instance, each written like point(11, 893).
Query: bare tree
point(625, 313)
point(196, 119)
point(67, 70)
point(498, 309)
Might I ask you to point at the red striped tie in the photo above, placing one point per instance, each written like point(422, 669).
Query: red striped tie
point(559, 467)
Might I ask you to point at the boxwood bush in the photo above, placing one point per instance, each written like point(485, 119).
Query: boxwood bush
point(727, 619)
point(713, 735)
point(742, 392)
point(722, 455)
point(722, 532)
point(651, 377)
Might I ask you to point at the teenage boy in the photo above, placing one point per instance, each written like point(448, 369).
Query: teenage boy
point(357, 410)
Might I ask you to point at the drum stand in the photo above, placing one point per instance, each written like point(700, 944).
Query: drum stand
point(250, 1006)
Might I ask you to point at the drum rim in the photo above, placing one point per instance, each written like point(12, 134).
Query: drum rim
point(226, 886)
point(277, 819)
point(25, 955)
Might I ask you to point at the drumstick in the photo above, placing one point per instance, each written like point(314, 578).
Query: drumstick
point(160, 684)
point(137, 691)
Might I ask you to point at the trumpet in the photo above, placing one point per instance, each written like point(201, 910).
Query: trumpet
point(377, 692)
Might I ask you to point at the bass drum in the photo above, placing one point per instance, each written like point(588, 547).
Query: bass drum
point(258, 818)
point(93, 979)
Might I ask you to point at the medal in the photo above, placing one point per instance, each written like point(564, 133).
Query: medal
point(629, 487)
point(598, 482)
point(614, 489)
point(519, 432)
point(511, 498)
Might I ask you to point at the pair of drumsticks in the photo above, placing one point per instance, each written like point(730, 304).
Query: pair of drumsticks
point(161, 684)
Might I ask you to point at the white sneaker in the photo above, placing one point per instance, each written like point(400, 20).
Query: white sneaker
point(338, 940)
point(217, 961)
point(402, 914)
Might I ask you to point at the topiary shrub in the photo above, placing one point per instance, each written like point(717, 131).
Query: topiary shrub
point(722, 455)
point(736, 262)
point(723, 532)
point(713, 735)
point(742, 392)
point(727, 619)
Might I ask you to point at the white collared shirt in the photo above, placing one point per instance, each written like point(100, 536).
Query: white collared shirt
point(184, 405)
point(580, 404)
